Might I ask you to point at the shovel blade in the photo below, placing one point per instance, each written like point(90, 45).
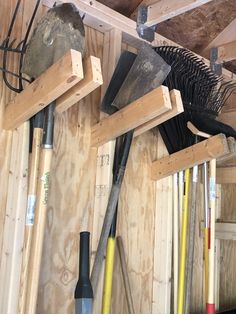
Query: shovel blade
point(58, 31)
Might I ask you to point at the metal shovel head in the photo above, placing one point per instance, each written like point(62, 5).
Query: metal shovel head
point(123, 66)
point(58, 31)
point(148, 72)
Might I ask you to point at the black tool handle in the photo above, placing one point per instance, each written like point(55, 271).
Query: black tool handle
point(83, 287)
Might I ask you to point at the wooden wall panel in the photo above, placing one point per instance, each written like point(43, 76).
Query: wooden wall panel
point(136, 226)
point(72, 199)
point(228, 251)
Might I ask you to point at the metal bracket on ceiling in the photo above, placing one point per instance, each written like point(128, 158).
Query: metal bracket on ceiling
point(144, 31)
point(216, 67)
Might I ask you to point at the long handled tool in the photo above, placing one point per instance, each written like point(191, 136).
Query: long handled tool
point(83, 291)
point(59, 30)
point(203, 94)
point(32, 189)
point(147, 72)
point(206, 228)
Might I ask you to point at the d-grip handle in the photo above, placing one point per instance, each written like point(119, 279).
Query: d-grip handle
point(84, 287)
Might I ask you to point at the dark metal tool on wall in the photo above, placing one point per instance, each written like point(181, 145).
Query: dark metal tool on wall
point(133, 77)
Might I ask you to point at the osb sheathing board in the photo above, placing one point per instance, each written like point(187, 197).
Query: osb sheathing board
point(144, 211)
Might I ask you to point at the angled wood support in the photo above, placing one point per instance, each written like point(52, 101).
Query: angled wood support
point(177, 108)
point(60, 77)
point(225, 230)
point(92, 80)
point(137, 113)
point(213, 147)
point(163, 10)
point(227, 35)
point(227, 52)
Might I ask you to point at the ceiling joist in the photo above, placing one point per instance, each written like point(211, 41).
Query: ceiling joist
point(163, 10)
point(226, 36)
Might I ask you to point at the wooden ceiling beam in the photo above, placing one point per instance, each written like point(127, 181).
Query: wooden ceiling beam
point(163, 10)
point(102, 18)
point(227, 35)
point(227, 52)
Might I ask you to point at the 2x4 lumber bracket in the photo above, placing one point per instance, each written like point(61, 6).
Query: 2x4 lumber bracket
point(92, 80)
point(214, 147)
point(54, 82)
point(130, 117)
point(224, 230)
point(176, 108)
point(163, 10)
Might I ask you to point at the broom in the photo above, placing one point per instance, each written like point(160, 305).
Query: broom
point(203, 94)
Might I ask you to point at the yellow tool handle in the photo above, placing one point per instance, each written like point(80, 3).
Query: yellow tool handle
point(183, 244)
point(107, 288)
point(206, 260)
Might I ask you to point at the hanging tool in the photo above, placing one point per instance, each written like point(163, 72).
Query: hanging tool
point(9, 45)
point(58, 31)
point(83, 290)
point(204, 94)
point(146, 73)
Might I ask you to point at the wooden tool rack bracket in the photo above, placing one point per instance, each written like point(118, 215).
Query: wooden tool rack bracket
point(67, 81)
point(216, 147)
point(141, 115)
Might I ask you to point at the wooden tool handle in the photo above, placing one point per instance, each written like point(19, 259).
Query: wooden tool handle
point(38, 231)
point(211, 289)
point(33, 176)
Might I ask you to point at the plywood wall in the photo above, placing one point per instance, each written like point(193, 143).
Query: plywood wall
point(144, 209)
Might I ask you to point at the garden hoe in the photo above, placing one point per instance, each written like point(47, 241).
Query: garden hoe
point(58, 31)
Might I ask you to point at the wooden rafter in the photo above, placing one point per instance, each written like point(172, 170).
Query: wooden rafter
point(163, 10)
point(227, 52)
point(227, 35)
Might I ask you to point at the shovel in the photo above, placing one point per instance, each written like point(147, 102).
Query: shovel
point(58, 31)
point(144, 72)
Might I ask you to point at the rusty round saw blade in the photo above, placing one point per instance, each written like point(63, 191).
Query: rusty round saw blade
point(58, 31)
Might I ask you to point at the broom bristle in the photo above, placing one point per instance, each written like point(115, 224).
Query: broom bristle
point(203, 95)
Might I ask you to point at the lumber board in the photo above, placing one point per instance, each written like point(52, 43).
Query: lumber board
point(163, 10)
point(213, 147)
point(14, 223)
point(161, 294)
point(92, 80)
point(176, 108)
point(128, 118)
point(136, 224)
point(227, 35)
point(55, 81)
point(225, 230)
point(102, 18)
point(228, 249)
point(227, 52)
point(226, 175)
